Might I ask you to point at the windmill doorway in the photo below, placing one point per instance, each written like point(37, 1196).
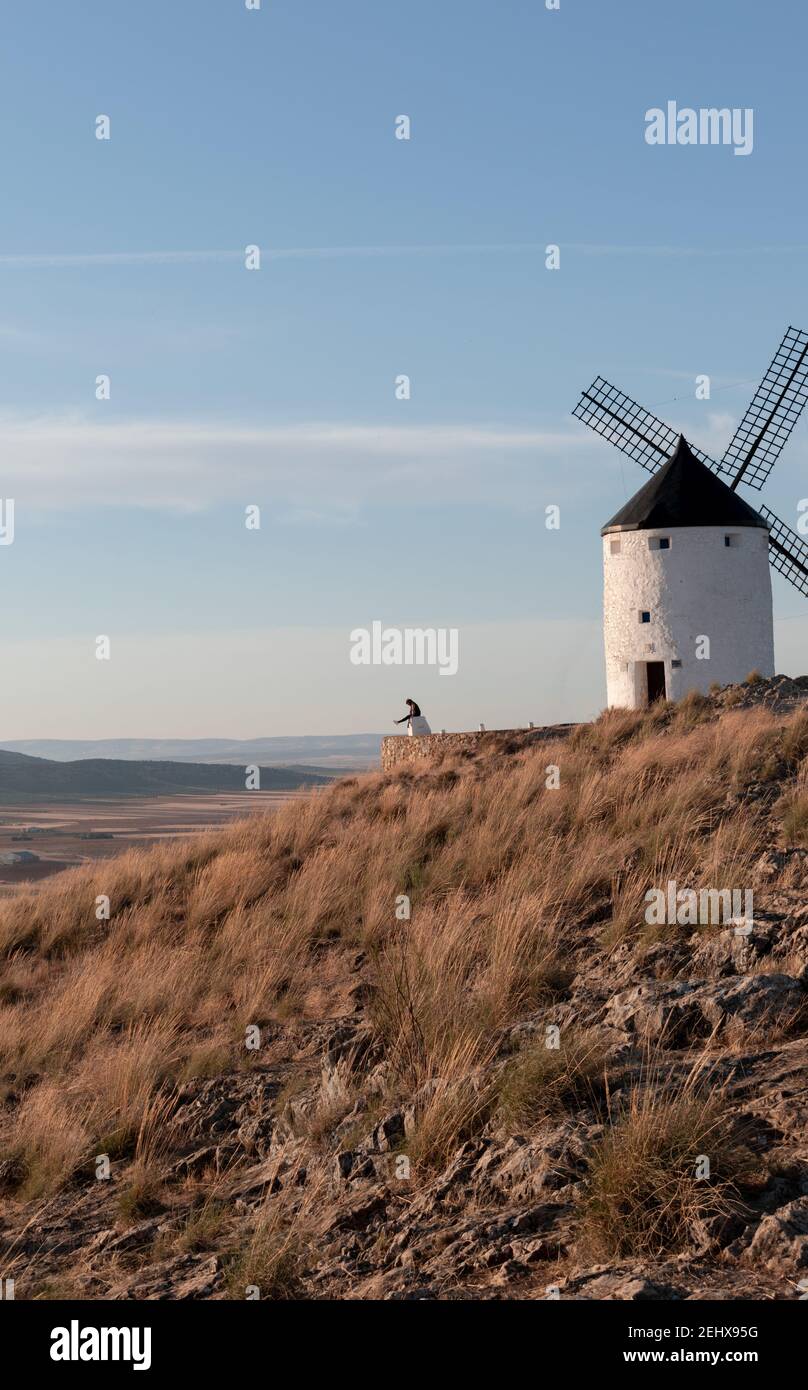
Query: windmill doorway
point(656, 680)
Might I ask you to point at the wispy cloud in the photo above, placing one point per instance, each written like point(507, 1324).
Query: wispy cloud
point(323, 472)
point(73, 460)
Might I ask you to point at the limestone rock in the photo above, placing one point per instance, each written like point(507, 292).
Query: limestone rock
point(780, 1242)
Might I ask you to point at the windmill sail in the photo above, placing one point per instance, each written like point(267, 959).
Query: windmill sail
point(645, 438)
point(772, 414)
point(787, 553)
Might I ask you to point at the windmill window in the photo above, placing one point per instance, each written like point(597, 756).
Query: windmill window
point(659, 543)
point(645, 616)
point(732, 541)
point(614, 547)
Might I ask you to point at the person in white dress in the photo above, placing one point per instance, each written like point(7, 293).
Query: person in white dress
point(415, 721)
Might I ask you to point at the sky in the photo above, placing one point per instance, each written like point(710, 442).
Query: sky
point(275, 388)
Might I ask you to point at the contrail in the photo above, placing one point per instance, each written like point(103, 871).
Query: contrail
point(55, 259)
point(101, 258)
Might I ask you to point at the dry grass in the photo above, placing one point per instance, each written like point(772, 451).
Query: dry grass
point(453, 1107)
point(543, 1080)
point(49, 1143)
point(141, 1195)
point(332, 1102)
point(100, 1020)
point(202, 1227)
point(647, 1189)
point(793, 805)
point(283, 1240)
point(795, 819)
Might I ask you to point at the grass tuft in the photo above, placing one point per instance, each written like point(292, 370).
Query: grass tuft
point(649, 1183)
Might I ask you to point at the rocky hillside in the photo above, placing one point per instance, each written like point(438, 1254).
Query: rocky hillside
point(419, 1037)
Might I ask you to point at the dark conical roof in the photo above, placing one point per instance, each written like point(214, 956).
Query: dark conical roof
point(684, 492)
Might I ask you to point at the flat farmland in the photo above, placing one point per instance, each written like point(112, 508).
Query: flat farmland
point(55, 831)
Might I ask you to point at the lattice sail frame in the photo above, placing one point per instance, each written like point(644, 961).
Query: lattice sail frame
point(787, 553)
point(771, 415)
point(645, 438)
point(649, 441)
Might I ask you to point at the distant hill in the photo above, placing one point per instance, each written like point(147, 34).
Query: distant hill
point(22, 775)
point(337, 751)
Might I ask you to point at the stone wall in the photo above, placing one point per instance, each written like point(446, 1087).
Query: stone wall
point(433, 748)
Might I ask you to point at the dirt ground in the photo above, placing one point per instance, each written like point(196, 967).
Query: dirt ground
point(53, 831)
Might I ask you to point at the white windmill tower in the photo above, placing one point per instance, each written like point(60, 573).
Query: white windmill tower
point(687, 592)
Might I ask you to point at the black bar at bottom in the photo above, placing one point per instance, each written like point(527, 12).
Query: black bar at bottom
point(56, 1340)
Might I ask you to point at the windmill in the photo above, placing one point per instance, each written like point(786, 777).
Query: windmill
point(687, 590)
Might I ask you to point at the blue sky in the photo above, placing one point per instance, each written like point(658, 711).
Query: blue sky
point(380, 257)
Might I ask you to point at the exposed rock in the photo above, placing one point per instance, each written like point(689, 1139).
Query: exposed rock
point(681, 1012)
point(780, 1242)
point(630, 1285)
point(658, 1010)
point(772, 1002)
point(774, 692)
point(389, 1134)
point(196, 1162)
point(181, 1277)
point(728, 952)
point(135, 1238)
point(343, 1163)
point(355, 1211)
point(255, 1134)
point(775, 863)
